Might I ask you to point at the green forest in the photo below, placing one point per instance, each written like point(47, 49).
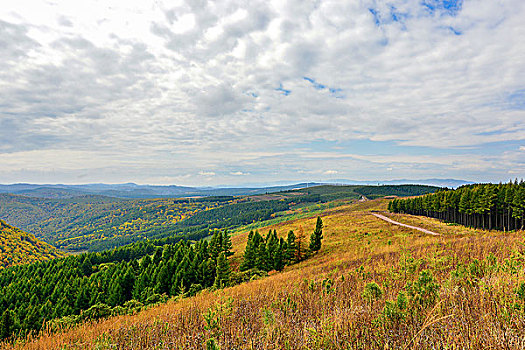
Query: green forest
point(127, 279)
point(485, 206)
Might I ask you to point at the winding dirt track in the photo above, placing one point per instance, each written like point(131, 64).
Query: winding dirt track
point(382, 217)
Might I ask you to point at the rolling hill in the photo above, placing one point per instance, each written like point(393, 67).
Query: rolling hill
point(96, 223)
point(373, 285)
point(19, 247)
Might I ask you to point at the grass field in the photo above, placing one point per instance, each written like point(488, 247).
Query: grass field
point(373, 285)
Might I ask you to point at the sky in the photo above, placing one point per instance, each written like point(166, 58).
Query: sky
point(207, 93)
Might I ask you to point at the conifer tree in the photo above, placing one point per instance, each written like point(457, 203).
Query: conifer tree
point(216, 247)
point(227, 245)
point(272, 248)
point(290, 247)
point(209, 272)
point(7, 324)
point(127, 284)
point(279, 258)
point(248, 261)
point(222, 278)
point(317, 236)
point(261, 259)
point(86, 266)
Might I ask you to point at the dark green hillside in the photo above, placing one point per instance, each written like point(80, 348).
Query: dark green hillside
point(19, 247)
point(328, 193)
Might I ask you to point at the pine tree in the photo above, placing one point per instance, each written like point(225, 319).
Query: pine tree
point(7, 324)
point(261, 258)
point(223, 271)
point(127, 284)
point(215, 247)
point(82, 300)
point(291, 247)
point(272, 248)
point(227, 245)
point(279, 260)
point(317, 236)
point(86, 266)
point(248, 261)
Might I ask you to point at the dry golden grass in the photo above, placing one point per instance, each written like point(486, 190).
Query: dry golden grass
point(319, 303)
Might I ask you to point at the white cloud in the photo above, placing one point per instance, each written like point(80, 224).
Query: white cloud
point(194, 85)
point(330, 172)
point(207, 173)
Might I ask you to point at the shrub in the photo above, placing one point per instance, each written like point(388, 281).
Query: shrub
point(372, 292)
point(97, 311)
point(423, 292)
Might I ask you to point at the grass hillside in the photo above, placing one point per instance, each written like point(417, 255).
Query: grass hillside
point(373, 285)
point(19, 247)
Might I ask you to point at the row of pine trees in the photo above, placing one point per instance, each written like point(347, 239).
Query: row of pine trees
point(486, 206)
point(272, 253)
point(139, 274)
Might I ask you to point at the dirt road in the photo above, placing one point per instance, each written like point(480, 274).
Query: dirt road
point(382, 217)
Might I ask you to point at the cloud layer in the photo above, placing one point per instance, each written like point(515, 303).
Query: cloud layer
point(220, 92)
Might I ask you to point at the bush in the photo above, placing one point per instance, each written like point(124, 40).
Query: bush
point(248, 275)
point(133, 306)
point(394, 311)
point(156, 298)
point(423, 292)
point(97, 311)
point(372, 292)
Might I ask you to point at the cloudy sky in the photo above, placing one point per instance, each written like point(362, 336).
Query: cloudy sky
point(231, 92)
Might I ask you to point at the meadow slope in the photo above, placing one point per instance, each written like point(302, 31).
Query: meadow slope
point(373, 285)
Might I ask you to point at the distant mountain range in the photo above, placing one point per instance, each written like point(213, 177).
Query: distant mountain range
point(131, 190)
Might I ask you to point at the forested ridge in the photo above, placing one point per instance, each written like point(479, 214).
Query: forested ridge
point(19, 247)
point(486, 206)
point(326, 193)
point(97, 223)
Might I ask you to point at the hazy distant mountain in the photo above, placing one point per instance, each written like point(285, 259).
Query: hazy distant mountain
point(131, 190)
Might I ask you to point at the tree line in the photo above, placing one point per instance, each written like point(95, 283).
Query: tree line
point(485, 206)
point(68, 290)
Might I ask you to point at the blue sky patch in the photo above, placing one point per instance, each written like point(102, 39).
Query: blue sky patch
point(394, 15)
point(335, 92)
point(517, 100)
point(316, 85)
point(376, 16)
point(283, 90)
point(447, 7)
point(455, 31)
